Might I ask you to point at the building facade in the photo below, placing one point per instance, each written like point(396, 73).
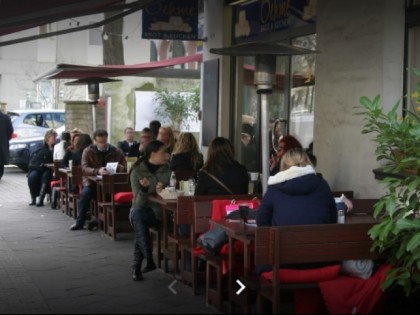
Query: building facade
point(364, 48)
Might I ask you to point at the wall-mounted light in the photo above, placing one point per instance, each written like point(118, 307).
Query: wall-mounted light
point(105, 36)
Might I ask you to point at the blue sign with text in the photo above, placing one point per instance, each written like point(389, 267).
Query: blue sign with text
point(267, 16)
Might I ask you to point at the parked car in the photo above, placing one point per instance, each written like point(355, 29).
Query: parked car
point(29, 127)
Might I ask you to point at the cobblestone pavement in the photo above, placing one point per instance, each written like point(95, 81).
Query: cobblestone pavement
point(46, 268)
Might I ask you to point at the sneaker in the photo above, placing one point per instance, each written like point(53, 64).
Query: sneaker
point(75, 227)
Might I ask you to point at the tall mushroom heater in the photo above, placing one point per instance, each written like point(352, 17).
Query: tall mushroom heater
point(93, 92)
point(264, 79)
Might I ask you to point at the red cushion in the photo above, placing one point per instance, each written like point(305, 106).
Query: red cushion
point(54, 183)
point(238, 248)
point(305, 275)
point(123, 197)
point(198, 251)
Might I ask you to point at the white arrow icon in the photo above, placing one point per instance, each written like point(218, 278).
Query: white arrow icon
point(170, 287)
point(241, 285)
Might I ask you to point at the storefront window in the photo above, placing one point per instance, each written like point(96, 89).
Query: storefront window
point(302, 93)
point(413, 66)
point(290, 105)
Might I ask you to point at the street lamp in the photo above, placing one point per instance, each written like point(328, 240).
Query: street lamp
point(264, 78)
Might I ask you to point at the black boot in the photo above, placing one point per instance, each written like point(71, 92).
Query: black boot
point(146, 246)
point(42, 195)
point(150, 266)
point(137, 276)
point(33, 198)
point(54, 198)
point(137, 261)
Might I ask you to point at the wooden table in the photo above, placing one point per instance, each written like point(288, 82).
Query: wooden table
point(168, 206)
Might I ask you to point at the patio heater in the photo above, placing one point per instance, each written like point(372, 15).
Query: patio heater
point(264, 78)
point(93, 91)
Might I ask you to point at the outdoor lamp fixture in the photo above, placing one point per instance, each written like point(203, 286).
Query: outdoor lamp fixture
point(264, 78)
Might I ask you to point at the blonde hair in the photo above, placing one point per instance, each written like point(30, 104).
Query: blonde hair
point(186, 143)
point(76, 131)
point(294, 157)
point(170, 132)
point(49, 133)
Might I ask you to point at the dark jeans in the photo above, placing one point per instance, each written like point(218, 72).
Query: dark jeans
point(36, 178)
point(87, 194)
point(1, 170)
point(142, 219)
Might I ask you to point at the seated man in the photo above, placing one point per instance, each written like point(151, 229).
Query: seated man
point(129, 141)
point(94, 160)
point(139, 149)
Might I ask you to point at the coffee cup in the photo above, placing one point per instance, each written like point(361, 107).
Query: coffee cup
point(70, 164)
point(339, 203)
point(254, 176)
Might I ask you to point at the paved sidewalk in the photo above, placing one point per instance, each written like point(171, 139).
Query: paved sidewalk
point(45, 268)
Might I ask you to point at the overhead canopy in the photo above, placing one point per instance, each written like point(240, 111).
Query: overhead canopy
point(19, 15)
point(69, 71)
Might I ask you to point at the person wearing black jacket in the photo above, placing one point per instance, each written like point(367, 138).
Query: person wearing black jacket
point(39, 175)
point(222, 165)
point(129, 141)
point(186, 155)
point(6, 131)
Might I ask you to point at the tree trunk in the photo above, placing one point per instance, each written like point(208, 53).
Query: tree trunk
point(113, 49)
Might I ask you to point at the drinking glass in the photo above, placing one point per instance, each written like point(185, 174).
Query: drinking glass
point(191, 187)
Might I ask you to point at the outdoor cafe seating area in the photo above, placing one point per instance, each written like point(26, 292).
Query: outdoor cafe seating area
point(220, 276)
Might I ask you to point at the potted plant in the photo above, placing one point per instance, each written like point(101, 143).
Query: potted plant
point(177, 107)
point(397, 236)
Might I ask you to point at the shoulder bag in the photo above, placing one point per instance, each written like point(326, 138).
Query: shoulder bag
point(217, 181)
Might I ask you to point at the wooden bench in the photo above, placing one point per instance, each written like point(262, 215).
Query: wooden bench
point(283, 245)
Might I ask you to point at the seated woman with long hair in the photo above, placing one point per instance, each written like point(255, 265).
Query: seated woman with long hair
point(166, 135)
point(221, 165)
point(71, 149)
point(186, 155)
point(285, 144)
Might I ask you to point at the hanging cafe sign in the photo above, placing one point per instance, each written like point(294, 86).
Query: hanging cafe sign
point(172, 20)
point(264, 16)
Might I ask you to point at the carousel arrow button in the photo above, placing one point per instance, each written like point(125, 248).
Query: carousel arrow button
point(241, 285)
point(170, 287)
